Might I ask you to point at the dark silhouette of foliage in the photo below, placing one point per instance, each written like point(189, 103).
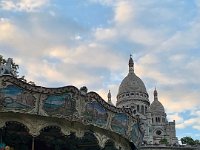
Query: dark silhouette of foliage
point(164, 141)
point(189, 141)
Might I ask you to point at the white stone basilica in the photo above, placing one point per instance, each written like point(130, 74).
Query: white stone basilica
point(133, 94)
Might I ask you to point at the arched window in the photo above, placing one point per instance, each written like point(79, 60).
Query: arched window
point(152, 120)
point(158, 119)
point(138, 108)
point(142, 109)
point(134, 111)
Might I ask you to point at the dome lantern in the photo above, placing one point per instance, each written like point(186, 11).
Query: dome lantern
point(155, 95)
point(131, 64)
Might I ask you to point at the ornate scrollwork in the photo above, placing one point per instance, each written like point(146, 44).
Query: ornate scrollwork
point(2, 124)
point(79, 133)
point(102, 139)
point(65, 131)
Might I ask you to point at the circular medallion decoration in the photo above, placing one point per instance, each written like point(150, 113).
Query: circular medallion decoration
point(158, 132)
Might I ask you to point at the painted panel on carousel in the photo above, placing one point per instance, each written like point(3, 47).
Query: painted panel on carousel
point(96, 114)
point(119, 123)
point(135, 134)
point(60, 104)
point(14, 98)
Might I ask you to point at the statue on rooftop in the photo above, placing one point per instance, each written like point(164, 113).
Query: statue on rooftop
point(8, 68)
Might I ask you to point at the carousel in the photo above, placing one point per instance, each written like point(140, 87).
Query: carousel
point(65, 118)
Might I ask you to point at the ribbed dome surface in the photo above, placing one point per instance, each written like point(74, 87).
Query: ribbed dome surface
point(156, 106)
point(132, 83)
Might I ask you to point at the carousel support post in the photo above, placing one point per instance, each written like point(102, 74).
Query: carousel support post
point(33, 143)
point(1, 140)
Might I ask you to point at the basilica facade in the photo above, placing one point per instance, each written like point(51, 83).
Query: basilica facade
point(132, 94)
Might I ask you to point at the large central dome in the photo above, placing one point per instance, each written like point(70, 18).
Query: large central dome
point(131, 89)
point(131, 83)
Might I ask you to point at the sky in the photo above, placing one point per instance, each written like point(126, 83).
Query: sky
point(89, 42)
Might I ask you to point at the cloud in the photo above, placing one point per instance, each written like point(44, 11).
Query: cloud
point(176, 117)
point(50, 73)
point(193, 122)
point(123, 11)
point(192, 119)
point(103, 2)
point(6, 29)
point(23, 5)
point(105, 34)
point(71, 65)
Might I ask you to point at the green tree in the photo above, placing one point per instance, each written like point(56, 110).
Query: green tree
point(187, 140)
point(2, 60)
point(164, 141)
point(197, 142)
point(15, 68)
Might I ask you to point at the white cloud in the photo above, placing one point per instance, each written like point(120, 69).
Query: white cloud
point(103, 2)
point(93, 55)
point(175, 117)
point(105, 34)
point(9, 32)
point(77, 37)
point(123, 11)
point(22, 5)
point(144, 36)
point(193, 122)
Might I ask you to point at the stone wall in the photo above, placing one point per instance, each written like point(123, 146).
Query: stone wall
point(168, 148)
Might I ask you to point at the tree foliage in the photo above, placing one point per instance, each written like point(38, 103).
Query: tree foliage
point(2, 60)
point(164, 141)
point(189, 141)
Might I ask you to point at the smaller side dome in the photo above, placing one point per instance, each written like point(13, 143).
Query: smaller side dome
point(156, 106)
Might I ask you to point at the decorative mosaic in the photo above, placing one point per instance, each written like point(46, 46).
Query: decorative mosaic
point(60, 104)
point(13, 97)
point(95, 113)
point(119, 123)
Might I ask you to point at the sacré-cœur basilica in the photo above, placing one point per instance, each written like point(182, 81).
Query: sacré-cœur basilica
point(132, 93)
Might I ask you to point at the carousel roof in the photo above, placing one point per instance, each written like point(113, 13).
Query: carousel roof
point(69, 108)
